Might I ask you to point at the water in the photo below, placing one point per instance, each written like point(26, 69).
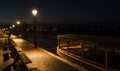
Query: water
point(49, 44)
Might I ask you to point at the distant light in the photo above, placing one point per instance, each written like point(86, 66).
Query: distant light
point(20, 35)
point(18, 22)
point(3, 29)
point(6, 28)
point(13, 25)
point(34, 12)
point(10, 27)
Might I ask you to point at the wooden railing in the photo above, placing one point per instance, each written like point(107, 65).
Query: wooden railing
point(86, 61)
point(20, 57)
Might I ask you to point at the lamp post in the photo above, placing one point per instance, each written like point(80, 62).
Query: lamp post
point(34, 12)
point(18, 23)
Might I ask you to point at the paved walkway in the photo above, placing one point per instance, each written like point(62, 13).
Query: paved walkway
point(44, 60)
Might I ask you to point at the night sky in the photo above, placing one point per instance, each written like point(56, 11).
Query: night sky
point(60, 10)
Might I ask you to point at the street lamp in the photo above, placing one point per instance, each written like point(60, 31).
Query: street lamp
point(10, 27)
point(34, 12)
point(13, 26)
point(18, 22)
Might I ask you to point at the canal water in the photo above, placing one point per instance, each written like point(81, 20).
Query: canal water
point(47, 43)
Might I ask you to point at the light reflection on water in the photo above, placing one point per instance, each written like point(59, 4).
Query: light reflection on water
point(46, 43)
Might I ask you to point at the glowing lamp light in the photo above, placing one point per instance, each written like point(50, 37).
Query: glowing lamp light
point(10, 27)
point(34, 12)
point(13, 25)
point(18, 22)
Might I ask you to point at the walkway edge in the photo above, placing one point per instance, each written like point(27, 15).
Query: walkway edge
point(66, 61)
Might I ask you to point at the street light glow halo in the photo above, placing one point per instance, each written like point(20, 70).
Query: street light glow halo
point(34, 12)
point(18, 22)
point(13, 25)
point(10, 27)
